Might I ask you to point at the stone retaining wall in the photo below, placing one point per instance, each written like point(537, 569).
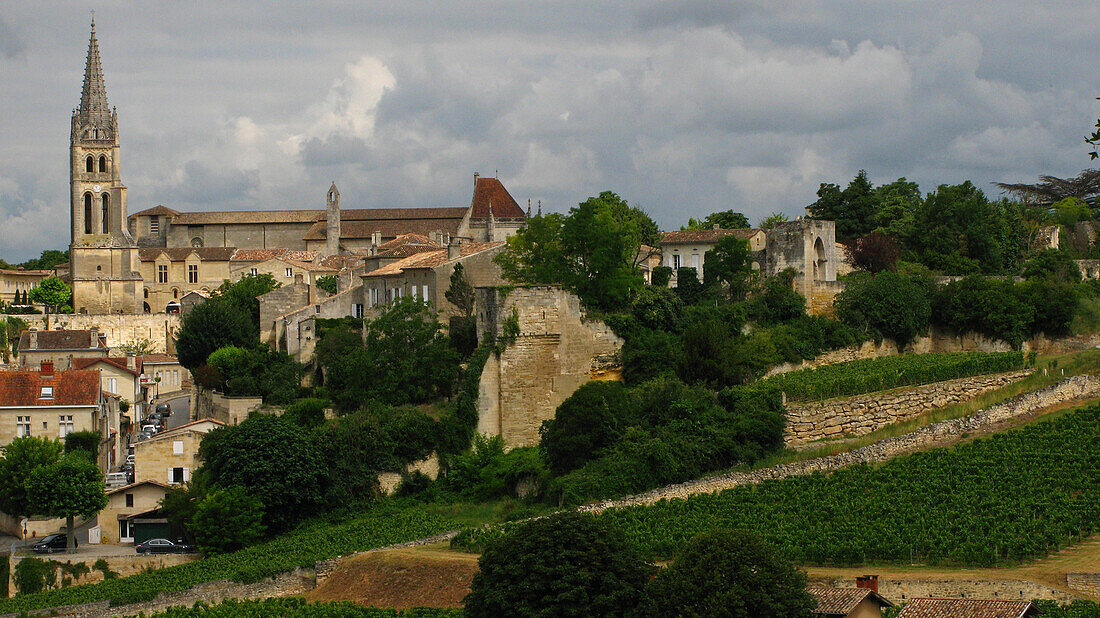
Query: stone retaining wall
point(1088, 584)
point(856, 416)
point(926, 437)
point(901, 590)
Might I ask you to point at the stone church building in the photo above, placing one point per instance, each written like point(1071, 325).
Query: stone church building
point(148, 261)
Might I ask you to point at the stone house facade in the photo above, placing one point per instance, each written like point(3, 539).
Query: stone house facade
point(686, 248)
point(19, 281)
point(171, 456)
point(115, 520)
point(60, 347)
point(121, 377)
point(49, 403)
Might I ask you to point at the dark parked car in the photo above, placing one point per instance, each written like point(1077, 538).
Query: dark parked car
point(164, 410)
point(50, 544)
point(163, 546)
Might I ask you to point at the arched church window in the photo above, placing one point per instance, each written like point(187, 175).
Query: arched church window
point(102, 163)
point(106, 213)
point(87, 213)
point(89, 164)
point(196, 242)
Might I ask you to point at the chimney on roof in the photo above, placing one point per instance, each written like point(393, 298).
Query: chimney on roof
point(47, 368)
point(376, 238)
point(131, 361)
point(454, 249)
point(528, 207)
point(476, 175)
point(869, 582)
point(34, 339)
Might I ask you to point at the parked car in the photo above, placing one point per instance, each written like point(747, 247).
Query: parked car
point(149, 428)
point(116, 479)
point(164, 410)
point(163, 546)
point(130, 460)
point(52, 543)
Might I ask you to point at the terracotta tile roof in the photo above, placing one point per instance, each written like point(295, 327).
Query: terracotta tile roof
point(154, 211)
point(490, 191)
point(301, 256)
point(256, 255)
point(406, 251)
point(61, 340)
point(407, 239)
point(342, 262)
point(396, 268)
point(179, 254)
point(85, 363)
point(965, 608)
point(389, 228)
point(248, 216)
point(842, 601)
point(70, 388)
point(704, 236)
point(159, 359)
point(468, 249)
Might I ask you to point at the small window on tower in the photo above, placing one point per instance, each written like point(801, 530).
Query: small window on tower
point(89, 164)
point(102, 163)
point(154, 226)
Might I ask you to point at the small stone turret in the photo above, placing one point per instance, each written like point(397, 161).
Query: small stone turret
point(332, 230)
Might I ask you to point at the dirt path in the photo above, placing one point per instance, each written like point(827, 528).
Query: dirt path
point(1075, 390)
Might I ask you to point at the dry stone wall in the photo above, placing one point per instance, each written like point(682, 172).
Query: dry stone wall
point(901, 590)
point(556, 350)
point(924, 438)
point(856, 416)
point(1085, 584)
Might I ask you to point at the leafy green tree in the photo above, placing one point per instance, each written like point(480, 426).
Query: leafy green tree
point(47, 260)
point(897, 206)
point(1051, 189)
point(214, 324)
point(10, 329)
point(1052, 265)
point(651, 353)
point(569, 564)
point(772, 220)
point(852, 209)
point(963, 233)
point(728, 264)
point(328, 283)
point(86, 442)
point(54, 293)
point(245, 293)
point(661, 276)
point(227, 520)
point(461, 293)
point(688, 287)
point(272, 457)
point(67, 488)
point(258, 371)
point(777, 302)
point(21, 457)
point(593, 251)
point(730, 574)
point(407, 356)
point(986, 306)
point(308, 412)
point(590, 419)
point(726, 220)
point(886, 305)
point(658, 308)
point(1068, 211)
point(354, 449)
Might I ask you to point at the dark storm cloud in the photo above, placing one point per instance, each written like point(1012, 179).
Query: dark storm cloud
point(682, 107)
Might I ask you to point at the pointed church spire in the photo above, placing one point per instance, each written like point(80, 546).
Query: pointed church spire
point(93, 97)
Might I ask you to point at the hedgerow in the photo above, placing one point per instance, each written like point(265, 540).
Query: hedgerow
point(302, 547)
point(875, 374)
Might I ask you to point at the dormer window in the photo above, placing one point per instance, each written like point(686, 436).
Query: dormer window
point(47, 392)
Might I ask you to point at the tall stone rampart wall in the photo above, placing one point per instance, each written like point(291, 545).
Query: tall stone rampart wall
point(856, 416)
point(556, 351)
point(159, 328)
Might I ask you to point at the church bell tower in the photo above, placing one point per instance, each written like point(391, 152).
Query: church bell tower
point(103, 256)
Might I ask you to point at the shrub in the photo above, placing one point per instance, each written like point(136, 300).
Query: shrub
point(658, 309)
point(778, 302)
point(228, 520)
point(661, 276)
point(886, 305)
point(568, 564)
point(650, 353)
point(688, 287)
point(308, 412)
point(585, 423)
point(730, 574)
point(1052, 265)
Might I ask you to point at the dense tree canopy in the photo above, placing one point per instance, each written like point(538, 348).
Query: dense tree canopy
point(728, 267)
point(726, 220)
point(887, 305)
point(730, 574)
point(570, 564)
point(21, 457)
point(214, 324)
point(70, 487)
point(594, 250)
point(853, 208)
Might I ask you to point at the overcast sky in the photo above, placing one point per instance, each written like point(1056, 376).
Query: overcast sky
point(682, 107)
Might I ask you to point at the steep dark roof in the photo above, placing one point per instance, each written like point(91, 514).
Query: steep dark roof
point(490, 191)
point(70, 388)
point(61, 340)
